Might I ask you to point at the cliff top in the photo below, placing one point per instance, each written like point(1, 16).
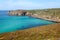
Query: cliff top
point(51, 32)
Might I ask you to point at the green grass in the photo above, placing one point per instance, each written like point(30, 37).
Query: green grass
point(52, 11)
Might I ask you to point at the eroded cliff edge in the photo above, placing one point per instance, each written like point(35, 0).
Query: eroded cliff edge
point(47, 14)
point(19, 13)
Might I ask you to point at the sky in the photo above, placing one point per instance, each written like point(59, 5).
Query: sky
point(28, 4)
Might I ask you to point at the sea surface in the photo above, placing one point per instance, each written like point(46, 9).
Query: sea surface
point(13, 23)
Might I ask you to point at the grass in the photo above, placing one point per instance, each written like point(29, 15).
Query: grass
point(49, 32)
point(52, 11)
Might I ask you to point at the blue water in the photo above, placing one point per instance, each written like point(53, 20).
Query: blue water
point(13, 23)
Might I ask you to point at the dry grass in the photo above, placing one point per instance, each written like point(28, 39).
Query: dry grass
point(49, 32)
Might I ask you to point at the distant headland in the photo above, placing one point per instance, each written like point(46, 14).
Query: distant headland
point(48, 14)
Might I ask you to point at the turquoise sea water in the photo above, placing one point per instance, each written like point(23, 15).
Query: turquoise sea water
point(13, 23)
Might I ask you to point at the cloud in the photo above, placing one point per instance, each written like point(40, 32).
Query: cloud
point(9, 4)
point(26, 4)
point(18, 4)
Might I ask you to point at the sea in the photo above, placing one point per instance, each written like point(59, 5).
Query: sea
point(13, 23)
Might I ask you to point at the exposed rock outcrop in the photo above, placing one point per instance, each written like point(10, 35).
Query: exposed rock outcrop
point(52, 14)
point(48, 17)
point(20, 13)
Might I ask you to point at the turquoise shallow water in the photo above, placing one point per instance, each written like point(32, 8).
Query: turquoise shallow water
point(13, 23)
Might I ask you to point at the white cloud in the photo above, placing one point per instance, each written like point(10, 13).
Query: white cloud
point(25, 4)
point(19, 4)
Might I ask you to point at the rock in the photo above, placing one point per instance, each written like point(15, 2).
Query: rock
point(20, 13)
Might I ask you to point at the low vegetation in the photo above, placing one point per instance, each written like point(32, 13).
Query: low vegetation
point(52, 11)
point(47, 14)
point(49, 32)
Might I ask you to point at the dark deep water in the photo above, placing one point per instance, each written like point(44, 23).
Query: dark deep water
point(13, 23)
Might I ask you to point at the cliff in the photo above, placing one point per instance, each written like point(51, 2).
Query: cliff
point(49, 32)
point(19, 13)
point(47, 14)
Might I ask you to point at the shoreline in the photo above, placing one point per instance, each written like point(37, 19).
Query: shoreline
point(56, 21)
point(47, 20)
point(44, 33)
point(52, 15)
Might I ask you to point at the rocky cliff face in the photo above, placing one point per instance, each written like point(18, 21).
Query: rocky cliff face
point(48, 17)
point(48, 14)
point(20, 13)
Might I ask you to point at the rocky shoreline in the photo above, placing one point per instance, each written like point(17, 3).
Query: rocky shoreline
point(49, 18)
point(36, 15)
point(19, 13)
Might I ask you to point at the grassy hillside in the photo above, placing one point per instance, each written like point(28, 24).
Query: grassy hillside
point(52, 11)
point(52, 14)
point(49, 32)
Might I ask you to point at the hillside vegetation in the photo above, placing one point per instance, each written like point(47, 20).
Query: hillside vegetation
point(52, 11)
point(52, 14)
point(47, 14)
point(49, 32)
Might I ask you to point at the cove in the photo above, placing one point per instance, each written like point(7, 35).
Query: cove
point(13, 23)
